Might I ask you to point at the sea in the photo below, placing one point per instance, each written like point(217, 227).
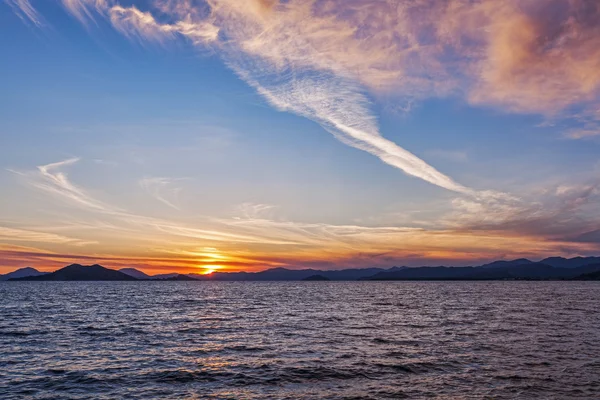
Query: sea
point(300, 340)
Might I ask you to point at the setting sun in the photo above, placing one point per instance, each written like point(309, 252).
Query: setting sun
point(209, 269)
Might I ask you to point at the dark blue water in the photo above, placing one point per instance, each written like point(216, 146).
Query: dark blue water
point(307, 340)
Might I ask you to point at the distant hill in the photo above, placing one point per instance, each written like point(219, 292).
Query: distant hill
point(560, 262)
point(22, 273)
point(76, 272)
point(316, 278)
point(137, 274)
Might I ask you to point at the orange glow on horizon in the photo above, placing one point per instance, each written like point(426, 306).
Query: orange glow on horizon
point(209, 269)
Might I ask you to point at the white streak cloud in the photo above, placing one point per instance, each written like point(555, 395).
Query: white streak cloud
point(84, 10)
point(25, 11)
point(162, 190)
point(52, 180)
point(26, 235)
point(135, 23)
point(340, 107)
point(583, 133)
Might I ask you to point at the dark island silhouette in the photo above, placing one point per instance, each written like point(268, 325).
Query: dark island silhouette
point(21, 273)
point(77, 272)
point(553, 268)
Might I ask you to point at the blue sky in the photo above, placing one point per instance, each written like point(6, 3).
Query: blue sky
point(126, 141)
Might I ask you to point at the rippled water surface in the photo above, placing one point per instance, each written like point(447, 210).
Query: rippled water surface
point(313, 340)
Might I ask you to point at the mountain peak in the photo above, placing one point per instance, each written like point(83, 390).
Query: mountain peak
point(27, 269)
point(22, 273)
point(78, 272)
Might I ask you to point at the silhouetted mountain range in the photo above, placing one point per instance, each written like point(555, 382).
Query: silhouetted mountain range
point(531, 271)
point(558, 268)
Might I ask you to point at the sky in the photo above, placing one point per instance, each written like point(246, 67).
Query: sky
point(203, 135)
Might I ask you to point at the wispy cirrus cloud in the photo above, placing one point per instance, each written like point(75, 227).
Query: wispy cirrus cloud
point(583, 133)
point(163, 190)
point(25, 11)
point(51, 179)
point(254, 210)
point(84, 10)
point(562, 212)
point(26, 235)
point(519, 55)
point(525, 56)
point(142, 25)
point(355, 245)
